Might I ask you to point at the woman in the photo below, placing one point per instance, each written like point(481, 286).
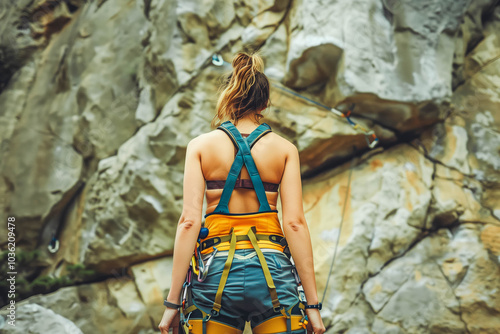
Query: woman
point(250, 278)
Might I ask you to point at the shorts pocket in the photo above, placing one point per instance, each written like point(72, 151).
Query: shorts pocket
point(276, 262)
point(282, 260)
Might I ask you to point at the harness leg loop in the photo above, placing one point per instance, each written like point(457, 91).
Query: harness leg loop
point(267, 274)
point(225, 273)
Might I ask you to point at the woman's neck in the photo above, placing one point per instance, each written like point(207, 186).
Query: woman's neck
point(246, 124)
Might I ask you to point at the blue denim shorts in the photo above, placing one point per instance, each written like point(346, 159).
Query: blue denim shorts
point(246, 296)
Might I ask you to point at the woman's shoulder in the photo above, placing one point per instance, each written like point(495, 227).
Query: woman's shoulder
point(204, 140)
point(284, 143)
point(274, 138)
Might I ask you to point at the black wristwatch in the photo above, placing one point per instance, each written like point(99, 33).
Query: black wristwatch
point(171, 305)
point(318, 306)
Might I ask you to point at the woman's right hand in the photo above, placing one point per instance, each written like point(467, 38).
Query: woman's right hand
point(315, 324)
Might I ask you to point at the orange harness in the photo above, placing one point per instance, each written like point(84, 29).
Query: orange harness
point(267, 225)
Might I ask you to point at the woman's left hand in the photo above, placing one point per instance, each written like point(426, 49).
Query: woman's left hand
point(170, 319)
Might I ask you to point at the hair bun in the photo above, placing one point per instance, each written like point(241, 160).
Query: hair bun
point(257, 62)
point(253, 62)
point(245, 90)
point(240, 60)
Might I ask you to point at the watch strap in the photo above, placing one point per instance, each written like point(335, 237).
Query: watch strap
point(171, 305)
point(318, 306)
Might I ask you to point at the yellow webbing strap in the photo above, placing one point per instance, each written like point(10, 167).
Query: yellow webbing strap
point(225, 273)
point(265, 269)
point(190, 309)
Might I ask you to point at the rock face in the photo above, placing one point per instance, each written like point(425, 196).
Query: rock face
point(33, 318)
point(98, 100)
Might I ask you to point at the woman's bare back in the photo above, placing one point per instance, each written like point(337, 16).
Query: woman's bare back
point(269, 154)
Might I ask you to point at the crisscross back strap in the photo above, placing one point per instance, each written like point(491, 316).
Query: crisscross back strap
point(243, 156)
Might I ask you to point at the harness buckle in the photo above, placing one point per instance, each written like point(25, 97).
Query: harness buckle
point(285, 313)
point(277, 309)
point(275, 238)
point(214, 313)
point(210, 242)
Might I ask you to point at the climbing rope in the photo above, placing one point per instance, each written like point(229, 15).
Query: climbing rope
point(217, 60)
point(348, 190)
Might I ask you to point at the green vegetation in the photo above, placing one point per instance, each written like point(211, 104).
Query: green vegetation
point(26, 281)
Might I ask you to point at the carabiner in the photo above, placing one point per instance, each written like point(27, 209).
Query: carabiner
point(304, 321)
point(203, 273)
point(193, 265)
point(190, 327)
point(296, 275)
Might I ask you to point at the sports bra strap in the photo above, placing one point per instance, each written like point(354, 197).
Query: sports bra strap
point(222, 207)
point(243, 157)
point(256, 134)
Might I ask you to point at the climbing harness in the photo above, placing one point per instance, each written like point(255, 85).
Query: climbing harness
point(217, 60)
point(245, 231)
point(254, 230)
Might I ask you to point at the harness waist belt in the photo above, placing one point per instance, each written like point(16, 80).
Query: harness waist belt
point(267, 226)
point(226, 238)
point(241, 257)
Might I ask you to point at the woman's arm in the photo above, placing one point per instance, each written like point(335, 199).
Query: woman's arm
point(189, 224)
point(295, 225)
point(297, 235)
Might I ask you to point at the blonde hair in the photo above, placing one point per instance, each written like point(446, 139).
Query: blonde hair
point(244, 91)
